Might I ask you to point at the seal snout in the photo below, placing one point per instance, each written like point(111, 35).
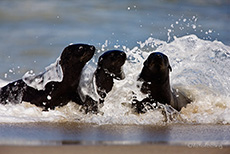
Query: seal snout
point(112, 62)
point(92, 48)
point(123, 57)
point(90, 52)
point(112, 58)
point(158, 58)
point(119, 58)
point(87, 52)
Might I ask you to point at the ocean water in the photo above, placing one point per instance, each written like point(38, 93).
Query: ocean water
point(193, 34)
point(200, 69)
point(33, 33)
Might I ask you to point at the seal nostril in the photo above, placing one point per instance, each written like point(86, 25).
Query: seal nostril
point(159, 56)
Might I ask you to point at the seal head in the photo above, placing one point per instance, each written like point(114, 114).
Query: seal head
point(111, 62)
point(155, 67)
point(109, 68)
point(76, 54)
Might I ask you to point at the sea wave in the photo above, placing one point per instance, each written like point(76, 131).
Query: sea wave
point(200, 68)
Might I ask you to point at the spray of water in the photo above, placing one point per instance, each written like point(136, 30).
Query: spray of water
point(200, 69)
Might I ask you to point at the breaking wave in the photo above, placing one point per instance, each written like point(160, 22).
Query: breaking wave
point(200, 69)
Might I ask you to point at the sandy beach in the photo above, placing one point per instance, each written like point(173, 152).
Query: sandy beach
point(114, 149)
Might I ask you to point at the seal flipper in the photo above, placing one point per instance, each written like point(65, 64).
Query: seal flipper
point(13, 92)
point(180, 99)
point(144, 105)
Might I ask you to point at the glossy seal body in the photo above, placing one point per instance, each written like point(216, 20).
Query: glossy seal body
point(72, 60)
point(156, 84)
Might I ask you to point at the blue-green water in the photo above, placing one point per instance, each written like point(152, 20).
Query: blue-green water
point(33, 33)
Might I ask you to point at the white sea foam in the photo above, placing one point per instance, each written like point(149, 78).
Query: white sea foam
point(52, 73)
point(87, 83)
point(3, 83)
point(200, 68)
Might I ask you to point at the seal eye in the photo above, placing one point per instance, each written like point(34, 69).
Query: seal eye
point(80, 48)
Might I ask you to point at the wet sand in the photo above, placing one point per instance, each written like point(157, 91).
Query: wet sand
point(68, 133)
point(88, 138)
point(115, 149)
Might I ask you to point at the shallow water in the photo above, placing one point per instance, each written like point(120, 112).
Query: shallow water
point(88, 134)
point(194, 35)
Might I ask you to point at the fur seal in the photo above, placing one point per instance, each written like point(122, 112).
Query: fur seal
point(109, 67)
point(156, 84)
point(55, 93)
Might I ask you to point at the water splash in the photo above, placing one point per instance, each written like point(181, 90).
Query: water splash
point(52, 73)
point(200, 68)
point(183, 25)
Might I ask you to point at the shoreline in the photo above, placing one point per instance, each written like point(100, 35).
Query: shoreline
point(112, 149)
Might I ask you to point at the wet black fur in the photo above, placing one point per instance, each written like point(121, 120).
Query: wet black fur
point(156, 84)
point(73, 59)
point(109, 68)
